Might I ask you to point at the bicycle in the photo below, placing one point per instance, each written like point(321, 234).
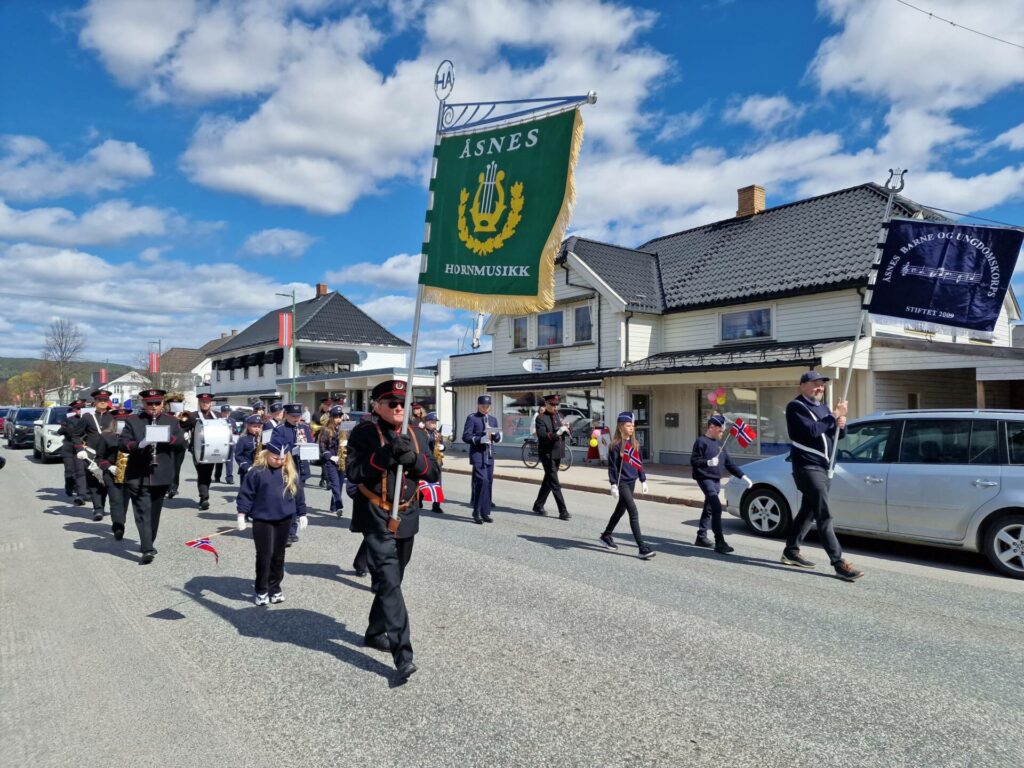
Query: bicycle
point(531, 458)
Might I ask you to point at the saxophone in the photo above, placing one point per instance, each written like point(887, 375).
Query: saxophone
point(121, 468)
point(438, 448)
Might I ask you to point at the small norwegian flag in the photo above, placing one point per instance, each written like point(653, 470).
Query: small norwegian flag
point(205, 545)
point(631, 455)
point(432, 492)
point(284, 329)
point(743, 433)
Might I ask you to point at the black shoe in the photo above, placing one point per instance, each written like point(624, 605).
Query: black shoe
point(171, 494)
point(792, 557)
point(703, 541)
point(607, 540)
point(646, 553)
point(846, 571)
point(230, 481)
point(147, 558)
point(79, 501)
point(437, 508)
point(488, 519)
point(339, 512)
point(478, 520)
point(564, 516)
point(204, 504)
point(118, 532)
point(216, 479)
point(405, 670)
point(377, 642)
point(360, 572)
point(540, 511)
point(291, 540)
point(723, 549)
point(97, 515)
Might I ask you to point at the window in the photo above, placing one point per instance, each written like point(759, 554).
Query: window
point(582, 329)
point(277, 369)
point(218, 374)
point(936, 441)
point(747, 325)
point(1015, 439)
point(259, 371)
point(245, 372)
point(520, 333)
point(913, 401)
point(984, 442)
point(549, 329)
point(231, 374)
point(865, 443)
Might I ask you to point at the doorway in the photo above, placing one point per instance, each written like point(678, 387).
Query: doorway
point(640, 404)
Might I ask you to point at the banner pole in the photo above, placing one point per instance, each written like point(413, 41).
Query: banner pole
point(893, 190)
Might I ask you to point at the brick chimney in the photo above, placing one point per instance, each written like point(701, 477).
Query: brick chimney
point(321, 289)
point(750, 200)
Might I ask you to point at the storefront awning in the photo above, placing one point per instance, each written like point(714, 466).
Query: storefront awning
point(519, 381)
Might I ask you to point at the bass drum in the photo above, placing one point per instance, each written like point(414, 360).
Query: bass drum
point(211, 441)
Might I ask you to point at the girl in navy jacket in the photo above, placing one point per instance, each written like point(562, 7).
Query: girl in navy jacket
point(332, 441)
point(625, 467)
point(270, 496)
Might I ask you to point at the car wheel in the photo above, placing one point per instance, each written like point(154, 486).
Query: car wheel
point(765, 511)
point(1004, 545)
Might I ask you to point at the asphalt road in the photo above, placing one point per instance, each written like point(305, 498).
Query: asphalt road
point(536, 647)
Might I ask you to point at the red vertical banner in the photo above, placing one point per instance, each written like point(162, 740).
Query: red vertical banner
point(284, 329)
point(154, 362)
point(103, 376)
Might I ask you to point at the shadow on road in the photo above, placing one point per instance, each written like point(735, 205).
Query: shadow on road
point(298, 626)
point(99, 538)
point(326, 571)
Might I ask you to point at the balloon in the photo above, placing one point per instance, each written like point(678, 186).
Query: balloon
point(593, 442)
point(712, 397)
point(720, 400)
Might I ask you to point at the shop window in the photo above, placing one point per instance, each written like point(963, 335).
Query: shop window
point(748, 325)
point(260, 371)
point(550, 329)
point(278, 369)
point(763, 408)
point(245, 372)
point(218, 375)
point(581, 410)
point(582, 328)
point(231, 374)
point(520, 332)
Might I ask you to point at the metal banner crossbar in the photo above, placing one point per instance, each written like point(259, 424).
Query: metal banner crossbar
point(468, 116)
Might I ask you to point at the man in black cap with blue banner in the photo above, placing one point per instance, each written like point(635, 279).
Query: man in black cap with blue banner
point(814, 430)
point(481, 432)
point(551, 450)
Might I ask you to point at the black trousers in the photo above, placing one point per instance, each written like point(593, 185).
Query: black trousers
point(147, 503)
point(550, 484)
point(97, 490)
point(118, 498)
point(626, 504)
point(387, 558)
point(179, 458)
point(270, 537)
point(204, 476)
point(813, 484)
point(74, 474)
point(359, 561)
point(712, 512)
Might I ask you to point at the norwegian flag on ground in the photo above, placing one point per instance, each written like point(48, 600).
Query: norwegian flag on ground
point(432, 492)
point(743, 433)
point(204, 544)
point(631, 455)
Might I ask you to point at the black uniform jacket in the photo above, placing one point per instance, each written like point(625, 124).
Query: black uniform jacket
point(368, 464)
point(92, 426)
point(549, 442)
point(140, 461)
point(71, 429)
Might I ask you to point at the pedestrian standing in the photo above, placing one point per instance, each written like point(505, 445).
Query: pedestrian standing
point(814, 430)
point(707, 457)
point(551, 450)
point(387, 465)
point(270, 497)
point(333, 441)
point(481, 432)
point(625, 467)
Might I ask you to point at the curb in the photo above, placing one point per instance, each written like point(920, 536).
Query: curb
point(658, 497)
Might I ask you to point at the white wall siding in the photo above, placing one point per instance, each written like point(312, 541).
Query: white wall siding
point(469, 366)
point(465, 404)
point(643, 336)
point(935, 389)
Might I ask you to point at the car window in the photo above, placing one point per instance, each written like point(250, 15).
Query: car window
point(984, 443)
point(865, 443)
point(1015, 439)
point(3, 412)
point(28, 415)
point(57, 415)
point(936, 441)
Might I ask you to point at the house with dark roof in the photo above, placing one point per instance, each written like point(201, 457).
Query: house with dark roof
point(339, 350)
point(746, 305)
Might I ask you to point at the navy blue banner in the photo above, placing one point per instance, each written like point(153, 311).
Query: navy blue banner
point(946, 274)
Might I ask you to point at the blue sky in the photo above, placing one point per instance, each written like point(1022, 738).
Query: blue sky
point(167, 167)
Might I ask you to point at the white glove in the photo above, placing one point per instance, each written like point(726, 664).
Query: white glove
point(485, 439)
point(643, 488)
point(713, 462)
point(336, 459)
point(303, 522)
point(96, 472)
point(614, 491)
point(748, 481)
point(563, 429)
point(440, 448)
point(82, 455)
point(143, 444)
point(240, 521)
point(112, 469)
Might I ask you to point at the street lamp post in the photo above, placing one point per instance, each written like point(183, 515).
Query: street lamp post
point(291, 347)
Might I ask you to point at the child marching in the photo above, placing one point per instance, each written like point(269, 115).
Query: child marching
point(270, 496)
point(333, 441)
point(625, 467)
point(706, 460)
point(436, 446)
point(248, 445)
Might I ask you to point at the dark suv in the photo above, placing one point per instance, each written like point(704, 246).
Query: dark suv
point(20, 427)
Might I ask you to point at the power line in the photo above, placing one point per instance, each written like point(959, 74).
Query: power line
point(961, 26)
point(972, 216)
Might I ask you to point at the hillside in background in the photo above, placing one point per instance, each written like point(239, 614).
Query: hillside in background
point(12, 366)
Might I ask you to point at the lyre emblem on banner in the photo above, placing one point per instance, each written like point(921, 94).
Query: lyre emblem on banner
point(489, 203)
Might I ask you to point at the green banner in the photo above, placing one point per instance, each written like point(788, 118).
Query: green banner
point(502, 200)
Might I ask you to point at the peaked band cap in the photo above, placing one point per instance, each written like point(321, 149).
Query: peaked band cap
point(624, 417)
point(483, 400)
point(152, 395)
point(813, 376)
point(337, 410)
point(205, 397)
point(76, 404)
point(278, 445)
point(395, 388)
point(432, 416)
point(276, 407)
point(293, 409)
point(258, 405)
point(225, 408)
point(253, 419)
point(100, 394)
point(552, 399)
point(718, 420)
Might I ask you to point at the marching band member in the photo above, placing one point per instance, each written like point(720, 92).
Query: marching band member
point(271, 496)
point(551, 450)
point(418, 415)
point(225, 468)
point(332, 451)
point(294, 432)
point(150, 467)
point(707, 458)
point(625, 467)
point(249, 444)
point(107, 456)
point(316, 424)
point(204, 472)
point(91, 448)
point(436, 443)
point(480, 431)
point(275, 416)
point(74, 468)
point(377, 453)
point(174, 404)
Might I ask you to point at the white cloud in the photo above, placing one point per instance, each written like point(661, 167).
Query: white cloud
point(107, 223)
point(30, 170)
point(393, 309)
point(1013, 138)
point(285, 243)
point(763, 113)
point(683, 124)
point(399, 271)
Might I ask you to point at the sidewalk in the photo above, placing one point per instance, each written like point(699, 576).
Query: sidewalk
point(668, 483)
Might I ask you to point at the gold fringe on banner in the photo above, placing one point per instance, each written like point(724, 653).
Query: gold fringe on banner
point(545, 298)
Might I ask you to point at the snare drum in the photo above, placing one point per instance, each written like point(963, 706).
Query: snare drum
point(211, 441)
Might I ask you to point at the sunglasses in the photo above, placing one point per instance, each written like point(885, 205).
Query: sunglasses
point(393, 404)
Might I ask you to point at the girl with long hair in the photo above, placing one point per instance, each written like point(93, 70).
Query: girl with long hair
point(270, 496)
point(625, 467)
point(332, 439)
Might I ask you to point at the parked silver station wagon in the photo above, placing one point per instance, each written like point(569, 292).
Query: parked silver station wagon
point(951, 478)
